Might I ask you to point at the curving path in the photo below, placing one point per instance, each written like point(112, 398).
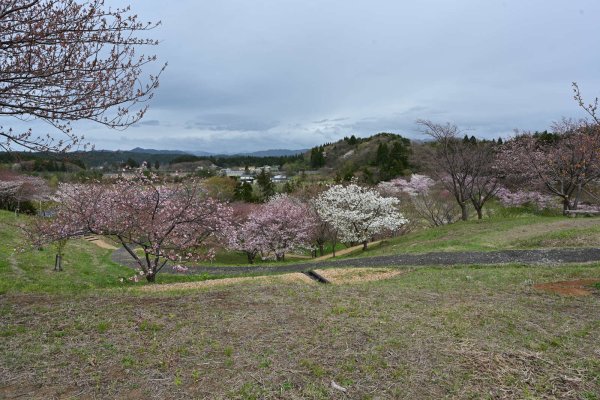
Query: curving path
point(541, 256)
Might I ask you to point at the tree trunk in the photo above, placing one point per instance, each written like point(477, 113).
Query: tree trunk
point(58, 263)
point(280, 257)
point(151, 278)
point(464, 212)
point(479, 213)
point(250, 257)
point(321, 249)
point(566, 206)
point(365, 243)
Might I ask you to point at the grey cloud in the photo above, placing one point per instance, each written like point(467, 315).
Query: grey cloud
point(230, 122)
point(147, 122)
point(297, 73)
point(325, 120)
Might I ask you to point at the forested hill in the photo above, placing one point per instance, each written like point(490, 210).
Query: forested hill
point(372, 159)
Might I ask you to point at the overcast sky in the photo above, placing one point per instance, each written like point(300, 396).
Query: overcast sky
point(263, 74)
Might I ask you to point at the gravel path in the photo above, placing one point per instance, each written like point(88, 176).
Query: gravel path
point(547, 257)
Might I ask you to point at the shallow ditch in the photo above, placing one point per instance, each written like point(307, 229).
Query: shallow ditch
point(315, 276)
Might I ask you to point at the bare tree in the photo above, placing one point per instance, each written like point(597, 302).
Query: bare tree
point(590, 108)
point(465, 168)
point(448, 161)
point(64, 61)
point(483, 184)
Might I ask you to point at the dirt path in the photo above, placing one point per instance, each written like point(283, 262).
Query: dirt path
point(544, 257)
point(345, 251)
point(98, 241)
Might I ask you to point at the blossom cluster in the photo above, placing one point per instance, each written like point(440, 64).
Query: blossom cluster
point(358, 213)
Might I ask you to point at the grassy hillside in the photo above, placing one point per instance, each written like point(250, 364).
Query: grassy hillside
point(462, 333)
point(86, 266)
point(372, 159)
point(497, 233)
point(453, 332)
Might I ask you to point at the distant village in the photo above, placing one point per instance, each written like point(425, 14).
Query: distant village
point(246, 174)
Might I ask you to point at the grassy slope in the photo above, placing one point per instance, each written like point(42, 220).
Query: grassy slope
point(431, 333)
point(86, 266)
point(498, 233)
point(89, 267)
point(464, 332)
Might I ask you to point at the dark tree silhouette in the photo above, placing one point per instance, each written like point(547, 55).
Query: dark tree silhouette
point(67, 60)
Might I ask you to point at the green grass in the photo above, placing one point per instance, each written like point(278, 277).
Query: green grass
point(462, 332)
point(237, 258)
point(434, 332)
point(497, 233)
point(87, 267)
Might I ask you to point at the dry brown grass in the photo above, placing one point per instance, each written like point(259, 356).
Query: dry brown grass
point(296, 277)
point(435, 333)
point(103, 244)
point(356, 275)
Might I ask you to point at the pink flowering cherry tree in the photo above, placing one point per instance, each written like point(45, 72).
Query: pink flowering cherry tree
point(429, 201)
point(520, 197)
point(244, 233)
point(174, 222)
point(563, 164)
point(16, 189)
point(281, 225)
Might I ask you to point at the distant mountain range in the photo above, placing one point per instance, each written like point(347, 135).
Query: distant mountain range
point(262, 153)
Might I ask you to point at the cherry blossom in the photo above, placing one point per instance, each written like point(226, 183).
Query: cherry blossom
point(357, 213)
point(175, 222)
point(281, 225)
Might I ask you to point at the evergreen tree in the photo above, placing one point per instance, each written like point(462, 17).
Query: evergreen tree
point(243, 192)
point(383, 155)
point(131, 163)
point(267, 188)
point(397, 160)
point(317, 160)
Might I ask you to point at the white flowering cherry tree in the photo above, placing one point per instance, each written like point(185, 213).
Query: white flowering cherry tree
point(357, 213)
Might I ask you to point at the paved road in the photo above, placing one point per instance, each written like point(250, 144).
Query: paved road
point(546, 257)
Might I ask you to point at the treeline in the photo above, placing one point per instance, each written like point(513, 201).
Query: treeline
point(42, 162)
point(239, 160)
point(83, 159)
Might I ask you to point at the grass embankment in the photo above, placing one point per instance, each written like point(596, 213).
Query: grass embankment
point(86, 266)
point(428, 333)
point(497, 233)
